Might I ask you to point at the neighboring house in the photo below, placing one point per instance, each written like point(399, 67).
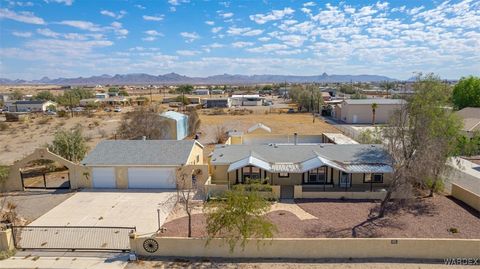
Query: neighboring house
point(216, 91)
point(112, 101)
point(471, 120)
point(4, 97)
point(85, 102)
point(101, 95)
point(30, 106)
point(178, 125)
point(217, 102)
point(360, 110)
point(140, 164)
point(326, 96)
point(201, 92)
point(317, 168)
point(246, 100)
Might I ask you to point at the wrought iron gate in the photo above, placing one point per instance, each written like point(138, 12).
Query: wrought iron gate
point(72, 237)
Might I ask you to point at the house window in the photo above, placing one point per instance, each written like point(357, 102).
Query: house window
point(373, 178)
point(317, 175)
point(251, 172)
point(198, 158)
point(283, 174)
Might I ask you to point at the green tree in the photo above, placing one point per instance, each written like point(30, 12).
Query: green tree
point(467, 93)
point(184, 89)
point(70, 144)
point(182, 99)
point(239, 216)
point(72, 97)
point(16, 95)
point(123, 93)
point(420, 138)
point(45, 95)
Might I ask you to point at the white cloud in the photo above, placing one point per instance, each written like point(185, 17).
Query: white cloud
point(187, 52)
point(112, 14)
point(22, 34)
point(226, 15)
point(153, 18)
point(140, 7)
point(189, 36)
point(48, 33)
point(216, 29)
point(264, 39)
point(253, 33)
point(65, 2)
point(272, 16)
point(20, 3)
point(415, 10)
point(23, 16)
point(268, 48)
point(209, 22)
point(84, 25)
point(242, 44)
point(153, 33)
point(309, 4)
point(149, 38)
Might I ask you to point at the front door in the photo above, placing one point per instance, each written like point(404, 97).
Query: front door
point(345, 180)
point(286, 192)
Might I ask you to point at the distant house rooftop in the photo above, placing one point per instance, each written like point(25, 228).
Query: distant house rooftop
point(471, 118)
point(378, 101)
point(31, 102)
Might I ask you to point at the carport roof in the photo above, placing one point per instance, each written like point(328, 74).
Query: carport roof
point(140, 152)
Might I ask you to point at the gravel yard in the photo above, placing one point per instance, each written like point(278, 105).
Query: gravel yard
point(33, 204)
point(429, 218)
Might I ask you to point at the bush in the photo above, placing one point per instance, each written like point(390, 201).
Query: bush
point(44, 120)
point(453, 230)
point(3, 126)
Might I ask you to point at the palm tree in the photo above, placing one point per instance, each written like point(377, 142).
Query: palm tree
point(374, 107)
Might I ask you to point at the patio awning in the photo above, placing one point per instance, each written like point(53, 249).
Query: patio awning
point(368, 168)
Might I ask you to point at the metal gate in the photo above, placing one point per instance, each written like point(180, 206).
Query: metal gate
point(72, 237)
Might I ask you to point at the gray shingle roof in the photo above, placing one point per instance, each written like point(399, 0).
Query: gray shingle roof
point(345, 153)
point(140, 152)
point(378, 101)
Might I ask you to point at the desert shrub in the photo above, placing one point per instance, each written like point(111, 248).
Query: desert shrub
point(453, 230)
point(44, 120)
point(3, 126)
point(103, 133)
point(62, 114)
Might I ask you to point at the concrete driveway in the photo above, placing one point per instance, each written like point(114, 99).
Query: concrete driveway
point(112, 208)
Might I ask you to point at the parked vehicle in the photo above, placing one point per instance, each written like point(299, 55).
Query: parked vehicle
point(117, 109)
point(290, 111)
point(50, 112)
point(107, 110)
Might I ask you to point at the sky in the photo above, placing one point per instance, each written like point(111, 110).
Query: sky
point(72, 38)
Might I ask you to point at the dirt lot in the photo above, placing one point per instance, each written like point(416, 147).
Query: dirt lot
point(21, 138)
point(425, 218)
point(301, 123)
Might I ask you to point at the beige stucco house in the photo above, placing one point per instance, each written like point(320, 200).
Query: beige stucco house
point(360, 110)
point(302, 169)
point(126, 164)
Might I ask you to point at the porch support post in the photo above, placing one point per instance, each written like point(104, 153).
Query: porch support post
point(44, 181)
point(371, 183)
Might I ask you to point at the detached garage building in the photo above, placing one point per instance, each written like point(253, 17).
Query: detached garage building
point(354, 111)
point(141, 164)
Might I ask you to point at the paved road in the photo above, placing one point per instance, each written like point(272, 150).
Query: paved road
point(64, 260)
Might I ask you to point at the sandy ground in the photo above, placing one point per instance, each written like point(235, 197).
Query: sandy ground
point(21, 138)
point(294, 264)
point(301, 123)
point(424, 218)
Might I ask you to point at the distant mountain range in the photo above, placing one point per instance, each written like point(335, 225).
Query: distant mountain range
point(174, 78)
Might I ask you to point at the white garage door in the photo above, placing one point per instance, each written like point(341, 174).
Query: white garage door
point(151, 178)
point(104, 178)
